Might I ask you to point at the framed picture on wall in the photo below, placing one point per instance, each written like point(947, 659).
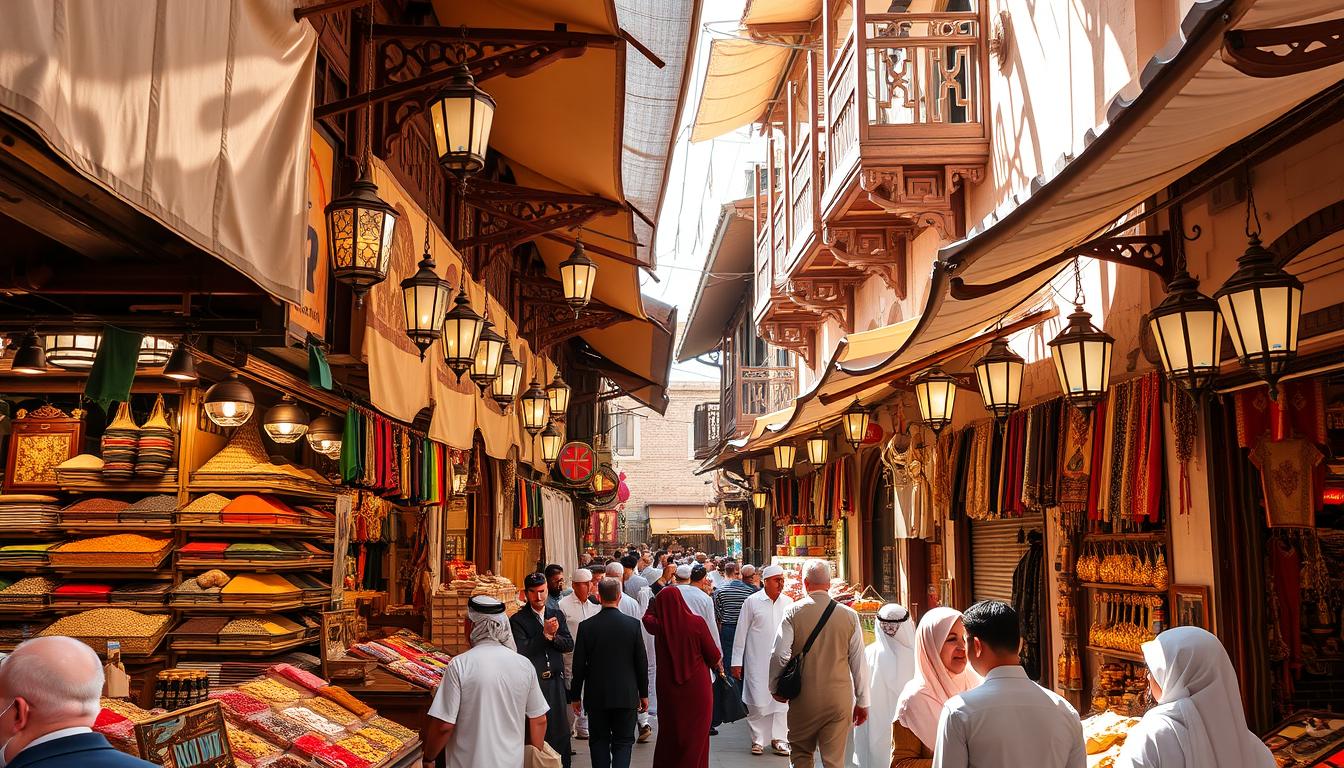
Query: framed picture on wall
point(1191, 608)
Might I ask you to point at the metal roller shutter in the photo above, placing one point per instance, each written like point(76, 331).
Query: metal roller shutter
point(995, 553)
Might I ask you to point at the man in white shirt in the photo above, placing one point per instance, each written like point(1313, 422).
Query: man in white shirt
point(489, 703)
point(1008, 720)
point(652, 565)
point(757, 624)
point(577, 608)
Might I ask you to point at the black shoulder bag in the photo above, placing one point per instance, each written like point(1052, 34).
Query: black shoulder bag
point(790, 682)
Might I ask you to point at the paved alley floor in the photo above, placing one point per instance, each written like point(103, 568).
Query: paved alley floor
point(727, 750)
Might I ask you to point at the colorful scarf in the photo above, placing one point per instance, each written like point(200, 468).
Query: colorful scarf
point(979, 472)
point(1148, 472)
point(1076, 471)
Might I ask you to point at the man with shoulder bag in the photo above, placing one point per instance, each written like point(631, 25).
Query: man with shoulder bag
point(818, 667)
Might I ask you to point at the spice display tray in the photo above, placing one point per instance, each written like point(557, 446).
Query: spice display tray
point(108, 560)
point(292, 603)
point(237, 564)
point(130, 646)
point(201, 484)
point(256, 530)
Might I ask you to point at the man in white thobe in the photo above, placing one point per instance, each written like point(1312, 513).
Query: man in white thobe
point(634, 608)
point(757, 625)
point(1007, 720)
point(490, 703)
point(576, 608)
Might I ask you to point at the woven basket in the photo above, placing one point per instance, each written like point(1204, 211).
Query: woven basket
point(243, 452)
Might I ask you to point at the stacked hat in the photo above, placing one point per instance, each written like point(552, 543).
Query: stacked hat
point(119, 445)
point(155, 444)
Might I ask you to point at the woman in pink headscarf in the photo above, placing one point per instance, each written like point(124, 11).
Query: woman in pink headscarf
point(940, 673)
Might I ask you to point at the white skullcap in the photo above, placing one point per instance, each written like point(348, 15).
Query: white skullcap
point(683, 571)
point(771, 570)
point(581, 576)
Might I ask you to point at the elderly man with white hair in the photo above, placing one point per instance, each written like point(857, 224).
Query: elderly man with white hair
point(835, 677)
point(490, 702)
point(49, 687)
point(757, 624)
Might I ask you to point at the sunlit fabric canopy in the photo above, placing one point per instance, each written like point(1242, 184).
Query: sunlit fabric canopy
point(723, 283)
point(1192, 106)
point(780, 11)
point(740, 80)
point(679, 519)
point(639, 353)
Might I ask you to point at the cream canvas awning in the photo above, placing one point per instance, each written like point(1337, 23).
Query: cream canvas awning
point(723, 283)
point(679, 519)
point(780, 11)
point(740, 80)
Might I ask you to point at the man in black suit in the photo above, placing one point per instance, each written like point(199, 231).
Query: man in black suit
point(49, 689)
point(541, 634)
point(609, 658)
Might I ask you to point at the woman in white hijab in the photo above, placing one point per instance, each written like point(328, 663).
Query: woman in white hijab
point(941, 672)
point(891, 664)
point(1198, 722)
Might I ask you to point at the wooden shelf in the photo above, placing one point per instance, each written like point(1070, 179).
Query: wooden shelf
point(1122, 587)
point(1126, 655)
point(80, 528)
point(1155, 536)
point(237, 607)
point(7, 534)
point(165, 485)
point(273, 488)
point(180, 646)
point(248, 565)
point(257, 530)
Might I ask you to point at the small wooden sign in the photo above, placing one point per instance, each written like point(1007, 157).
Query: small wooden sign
point(194, 737)
point(339, 632)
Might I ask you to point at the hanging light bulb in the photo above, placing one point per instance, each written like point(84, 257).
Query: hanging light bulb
point(461, 333)
point(29, 358)
point(577, 275)
point(551, 442)
point(937, 394)
point(999, 374)
point(424, 301)
point(485, 367)
point(558, 392)
point(855, 420)
point(181, 366)
point(286, 422)
point(229, 403)
point(324, 435)
point(1188, 328)
point(505, 387)
point(784, 455)
point(818, 448)
point(536, 408)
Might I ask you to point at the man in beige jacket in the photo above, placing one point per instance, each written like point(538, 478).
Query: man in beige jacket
point(835, 672)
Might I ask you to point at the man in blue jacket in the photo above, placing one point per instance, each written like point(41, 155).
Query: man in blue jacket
point(49, 690)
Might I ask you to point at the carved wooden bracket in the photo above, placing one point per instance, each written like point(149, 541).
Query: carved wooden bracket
point(880, 251)
point(503, 206)
point(1284, 51)
point(797, 336)
point(825, 296)
point(921, 195)
point(547, 320)
point(1151, 252)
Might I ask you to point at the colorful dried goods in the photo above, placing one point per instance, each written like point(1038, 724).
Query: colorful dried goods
point(271, 690)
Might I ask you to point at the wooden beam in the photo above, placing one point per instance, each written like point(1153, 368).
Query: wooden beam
point(947, 353)
point(330, 6)
point(648, 54)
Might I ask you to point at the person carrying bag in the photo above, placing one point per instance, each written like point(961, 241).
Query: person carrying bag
point(790, 682)
point(728, 706)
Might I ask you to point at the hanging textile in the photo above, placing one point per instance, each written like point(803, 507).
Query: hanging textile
point(1076, 470)
point(1100, 449)
point(1051, 441)
point(1304, 403)
point(1027, 587)
point(959, 502)
point(1030, 498)
point(1148, 473)
point(979, 472)
point(941, 473)
point(527, 507)
point(352, 447)
point(557, 520)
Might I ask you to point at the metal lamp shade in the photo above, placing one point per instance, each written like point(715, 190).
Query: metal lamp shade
point(286, 422)
point(461, 115)
point(72, 351)
point(937, 395)
point(536, 408)
point(424, 301)
point(558, 392)
point(461, 331)
point(324, 435)
point(999, 374)
point(784, 455)
point(229, 403)
point(1262, 306)
point(551, 441)
point(359, 234)
point(485, 366)
point(855, 421)
point(818, 449)
point(577, 275)
point(759, 498)
point(749, 467)
point(505, 387)
point(181, 366)
point(1082, 355)
point(154, 351)
point(29, 359)
point(1188, 328)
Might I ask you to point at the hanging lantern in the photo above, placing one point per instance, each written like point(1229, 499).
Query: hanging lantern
point(784, 454)
point(505, 387)
point(29, 358)
point(485, 367)
point(286, 422)
point(1188, 329)
point(937, 394)
point(759, 498)
point(72, 351)
point(536, 408)
point(424, 301)
point(749, 467)
point(577, 274)
point(461, 115)
point(855, 420)
point(181, 366)
point(324, 435)
point(1262, 306)
point(229, 403)
point(818, 447)
point(359, 235)
point(1082, 355)
point(999, 373)
point(461, 332)
point(154, 351)
point(551, 440)
point(558, 392)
